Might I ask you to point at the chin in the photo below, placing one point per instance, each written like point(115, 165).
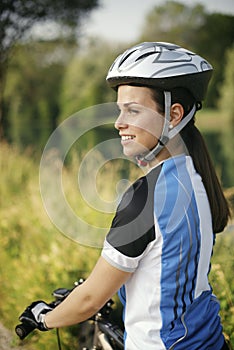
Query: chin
point(131, 154)
point(128, 154)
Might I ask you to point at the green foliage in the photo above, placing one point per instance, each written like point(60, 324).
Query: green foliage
point(84, 80)
point(173, 22)
point(35, 258)
point(213, 40)
point(45, 86)
point(215, 127)
point(32, 91)
point(221, 278)
point(18, 17)
point(227, 90)
point(226, 107)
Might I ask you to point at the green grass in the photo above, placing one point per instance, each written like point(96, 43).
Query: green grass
point(35, 257)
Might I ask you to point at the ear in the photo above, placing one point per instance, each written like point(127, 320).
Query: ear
point(177, 113)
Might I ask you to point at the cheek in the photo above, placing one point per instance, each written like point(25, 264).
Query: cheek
point(146, 139)
point(151, 127)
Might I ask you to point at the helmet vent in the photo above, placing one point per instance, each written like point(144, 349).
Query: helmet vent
point(145, 55)
point(125, 58)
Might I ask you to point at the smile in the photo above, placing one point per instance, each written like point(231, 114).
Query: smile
point(127, 137)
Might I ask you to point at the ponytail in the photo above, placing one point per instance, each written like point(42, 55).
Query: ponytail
point(198, 151)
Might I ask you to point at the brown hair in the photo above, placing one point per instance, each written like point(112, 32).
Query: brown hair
point(198, 151)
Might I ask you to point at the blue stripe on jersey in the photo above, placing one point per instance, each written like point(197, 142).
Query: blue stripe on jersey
point(178, 219)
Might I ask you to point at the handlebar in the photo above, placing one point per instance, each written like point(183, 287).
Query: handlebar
point(23, 329)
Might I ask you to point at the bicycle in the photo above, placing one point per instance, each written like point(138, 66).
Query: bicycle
point(106, 336)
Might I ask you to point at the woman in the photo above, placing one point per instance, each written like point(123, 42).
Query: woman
point(157, 252)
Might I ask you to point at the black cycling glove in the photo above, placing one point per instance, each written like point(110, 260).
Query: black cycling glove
point(34, 314)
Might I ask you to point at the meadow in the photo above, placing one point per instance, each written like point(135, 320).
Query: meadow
point(36, 257)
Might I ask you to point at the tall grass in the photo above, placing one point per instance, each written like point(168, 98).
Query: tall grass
point(36, 258)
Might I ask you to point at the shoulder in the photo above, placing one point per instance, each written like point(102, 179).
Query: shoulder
point(132, 228)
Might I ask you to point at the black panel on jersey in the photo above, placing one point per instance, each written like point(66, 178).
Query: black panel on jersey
point(132, 228)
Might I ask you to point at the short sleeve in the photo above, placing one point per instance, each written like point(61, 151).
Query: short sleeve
point(132, 228)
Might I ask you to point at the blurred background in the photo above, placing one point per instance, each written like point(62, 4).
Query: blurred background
point(54, 57)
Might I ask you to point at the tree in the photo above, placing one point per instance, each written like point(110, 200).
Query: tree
point(213, 39)
point(18, 16)
point(208, 34)
point(84, 85)
point(32, 91)
point(48, 82)
point(227, 112)
point(173, 22)
point(84, 81)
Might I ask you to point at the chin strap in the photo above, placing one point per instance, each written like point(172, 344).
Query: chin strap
point(167, 134)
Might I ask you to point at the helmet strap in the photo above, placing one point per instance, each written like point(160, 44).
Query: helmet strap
point(166, 134)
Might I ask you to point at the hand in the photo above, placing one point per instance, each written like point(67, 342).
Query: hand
point(34, 314)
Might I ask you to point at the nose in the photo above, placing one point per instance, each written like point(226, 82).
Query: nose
point(120, 122)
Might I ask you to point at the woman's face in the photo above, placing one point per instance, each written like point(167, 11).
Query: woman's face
point(139, 123)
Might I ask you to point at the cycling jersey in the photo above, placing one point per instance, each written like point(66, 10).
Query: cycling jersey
point(162, 233)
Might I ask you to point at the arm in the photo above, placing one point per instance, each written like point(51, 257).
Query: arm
point(85, 300)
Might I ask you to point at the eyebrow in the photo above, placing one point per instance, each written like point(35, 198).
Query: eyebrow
point(126, 104)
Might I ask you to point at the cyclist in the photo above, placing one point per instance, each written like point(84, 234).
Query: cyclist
point(157, 252)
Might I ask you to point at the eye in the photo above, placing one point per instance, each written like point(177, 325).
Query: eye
point(133, 111)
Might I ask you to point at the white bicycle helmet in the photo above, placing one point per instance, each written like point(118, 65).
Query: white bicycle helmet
point(164, 66)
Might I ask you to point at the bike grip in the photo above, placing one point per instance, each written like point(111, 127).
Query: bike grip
point(23, 329)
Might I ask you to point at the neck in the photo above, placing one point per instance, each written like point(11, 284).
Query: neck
point(173, 148)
